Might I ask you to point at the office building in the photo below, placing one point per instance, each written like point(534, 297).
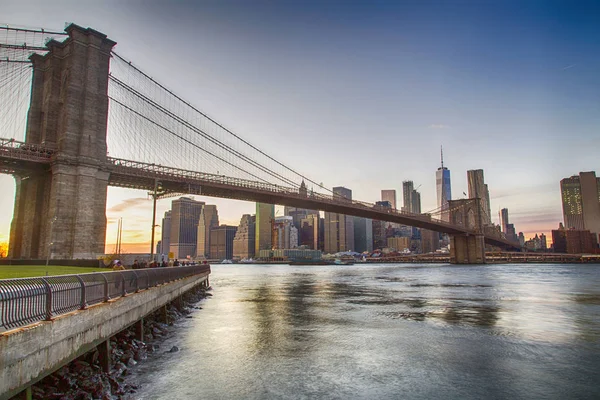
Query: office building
point(430, 241)
point(209, 219)
point(478, 189)
point(504, 220)
point(221, 242)
point(285, 234)
point(407, 193)
point(411, 198)
point(581, 202)
point(398, 244)
point(298, 214)
point(185, 214)
point(363, 234)
point(380, 228)
point(265, 214)
point(443, 189)
point(243, 242)
point(521, 238)
point(389, 196)
point(309, 231)
point(339, 228)
point(574, 241)
point(165, 239)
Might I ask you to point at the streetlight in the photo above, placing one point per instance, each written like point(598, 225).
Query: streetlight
point(50, 244)
point(154, 195)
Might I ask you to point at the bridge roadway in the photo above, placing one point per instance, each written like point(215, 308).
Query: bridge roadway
point(19, 157)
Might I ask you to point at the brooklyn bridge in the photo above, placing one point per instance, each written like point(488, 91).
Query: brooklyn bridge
point(78, 117)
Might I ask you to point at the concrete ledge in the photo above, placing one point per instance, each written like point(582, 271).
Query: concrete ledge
point(30, 353)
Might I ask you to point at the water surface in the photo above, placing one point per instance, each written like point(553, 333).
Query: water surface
point(387, 332)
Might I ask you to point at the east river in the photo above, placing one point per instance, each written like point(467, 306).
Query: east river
point(386, 331)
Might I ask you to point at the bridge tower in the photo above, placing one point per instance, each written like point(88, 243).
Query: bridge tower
point(62, 211)
point(467, 248)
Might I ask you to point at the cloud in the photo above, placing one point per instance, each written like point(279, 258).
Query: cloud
point(568, 67)
point(128, 204)
point(439, 126)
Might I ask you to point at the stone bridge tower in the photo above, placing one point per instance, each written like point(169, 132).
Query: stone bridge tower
point(61, 211)
point(467, 249)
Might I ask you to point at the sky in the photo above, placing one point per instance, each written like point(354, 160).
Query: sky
point(363, 94)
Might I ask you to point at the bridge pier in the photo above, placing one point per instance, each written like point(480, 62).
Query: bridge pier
point(467, 249)
point(61, 212)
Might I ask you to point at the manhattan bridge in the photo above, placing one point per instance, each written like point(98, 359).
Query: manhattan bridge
point(68, 101)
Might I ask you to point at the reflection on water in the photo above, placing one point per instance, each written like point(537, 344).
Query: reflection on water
point(388, 331)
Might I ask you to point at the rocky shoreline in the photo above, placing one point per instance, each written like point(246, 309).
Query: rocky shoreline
point(83, 378)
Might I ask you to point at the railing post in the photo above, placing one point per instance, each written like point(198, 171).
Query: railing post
point(137, 284)
point(123, 291)
point(83, 303)
point(106, 297)
point(48, 299)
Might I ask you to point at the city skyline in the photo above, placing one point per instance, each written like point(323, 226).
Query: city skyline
point(524, 96)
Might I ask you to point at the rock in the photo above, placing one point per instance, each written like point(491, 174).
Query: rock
point(120, 367)
point(131, 362)
point(78, 366)
point(174, 349)
point(189, 316)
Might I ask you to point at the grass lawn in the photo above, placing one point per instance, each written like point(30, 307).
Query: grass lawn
point(24, 271)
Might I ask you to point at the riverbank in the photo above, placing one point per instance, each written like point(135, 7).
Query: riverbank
point(83, 378)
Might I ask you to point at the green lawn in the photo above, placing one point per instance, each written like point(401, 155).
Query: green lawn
point(23, 271)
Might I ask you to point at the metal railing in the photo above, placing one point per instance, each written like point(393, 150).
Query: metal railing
point(27, 300)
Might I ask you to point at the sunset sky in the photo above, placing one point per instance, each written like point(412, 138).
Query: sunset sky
point(362, 94)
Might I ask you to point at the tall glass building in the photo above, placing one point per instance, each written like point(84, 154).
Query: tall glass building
point(581, 201)
point(185, 213)
point(444, 193)
point(265, 214)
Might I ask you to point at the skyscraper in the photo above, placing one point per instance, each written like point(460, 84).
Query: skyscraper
point(339, 228)
point(407, 193)
point(165, 233)
point(411, 198)
point(243, 242)
point(185, 213)
point(504, 220)
point(285, 234)
point(309, 231)
point(581, 202)
point(379, 228)
point(444, 194)
point(221, 242)
point(478, 189)
point(416, 202)
point(363, 234)
point(389, 195)
point(209, 218)
point(265, 213)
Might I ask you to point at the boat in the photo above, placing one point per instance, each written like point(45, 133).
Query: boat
point(343, 262)
point(226, 262)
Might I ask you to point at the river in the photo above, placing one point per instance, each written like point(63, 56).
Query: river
point(386, 331)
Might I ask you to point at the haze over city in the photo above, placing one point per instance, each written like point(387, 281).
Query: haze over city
point(363, 95)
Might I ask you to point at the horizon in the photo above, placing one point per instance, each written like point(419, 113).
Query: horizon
point(507, 89)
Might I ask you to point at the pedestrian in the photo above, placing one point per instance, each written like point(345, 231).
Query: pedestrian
point(135, 265)
point(176, 263)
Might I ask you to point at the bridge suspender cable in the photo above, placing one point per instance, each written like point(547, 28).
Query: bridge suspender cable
point(200, 132)
point(184, 139)
point(218, 124)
